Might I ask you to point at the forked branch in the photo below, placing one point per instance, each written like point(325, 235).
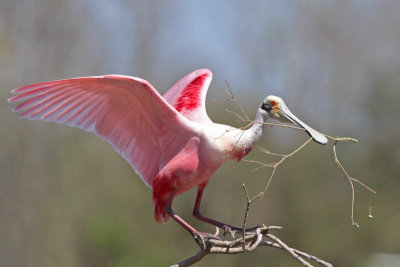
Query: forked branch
point(249, 241)
point(351, 180)
point(260, 238)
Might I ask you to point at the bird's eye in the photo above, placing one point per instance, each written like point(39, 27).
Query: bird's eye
point(266, 107)
point(273, 103)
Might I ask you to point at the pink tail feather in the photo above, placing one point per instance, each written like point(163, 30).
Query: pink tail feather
point(159, 213)
point(162, 189)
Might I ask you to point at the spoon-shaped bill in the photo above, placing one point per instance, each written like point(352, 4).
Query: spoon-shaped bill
point(317, 136)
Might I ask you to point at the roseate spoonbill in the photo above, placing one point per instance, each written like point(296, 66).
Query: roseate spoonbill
point(169, 141)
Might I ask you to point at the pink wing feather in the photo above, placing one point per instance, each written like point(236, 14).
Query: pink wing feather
point(188, 96)
point(126, 111)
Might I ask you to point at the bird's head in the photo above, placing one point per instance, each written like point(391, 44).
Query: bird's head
point(274, 107)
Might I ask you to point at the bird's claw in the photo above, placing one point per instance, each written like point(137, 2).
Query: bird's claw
point(202, 238)
point(232, 230)
point(228, 230)
point(251, 230)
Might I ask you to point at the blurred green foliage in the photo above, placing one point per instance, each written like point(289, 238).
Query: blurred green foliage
point(111, 235)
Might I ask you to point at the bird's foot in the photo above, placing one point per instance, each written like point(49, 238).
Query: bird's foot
point(202, 238)
point(232, 230)
point(228, 230)
point(250, 230)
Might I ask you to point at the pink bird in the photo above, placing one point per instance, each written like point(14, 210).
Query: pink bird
point(169, 140)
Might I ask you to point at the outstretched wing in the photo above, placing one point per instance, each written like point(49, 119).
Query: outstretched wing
point(188, 96)
point(126, 111)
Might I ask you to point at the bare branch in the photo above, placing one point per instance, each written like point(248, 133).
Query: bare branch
point(269, 152)
point(248, 203)
point(252, 241)
point(351, 180)
point(288, 249)
point(233, 99)
point(249, 241)
point(274, 166)
point(192, 260)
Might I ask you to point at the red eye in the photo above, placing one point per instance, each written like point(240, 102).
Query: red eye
point(273, 103)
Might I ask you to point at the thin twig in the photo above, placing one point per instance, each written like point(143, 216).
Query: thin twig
point(248, 203)
point(288, 249)
point(235, 113)
point(269, 152)
point(233, 98)
point(351, 179)
point(275, 165)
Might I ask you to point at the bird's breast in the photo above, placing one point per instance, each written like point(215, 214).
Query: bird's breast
point(227, 143)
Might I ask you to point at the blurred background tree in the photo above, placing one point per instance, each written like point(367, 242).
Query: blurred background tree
point(68, 199)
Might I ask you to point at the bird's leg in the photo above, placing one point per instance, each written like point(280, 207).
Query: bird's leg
point(226, 227)
point(196, 213)
point(198, 236)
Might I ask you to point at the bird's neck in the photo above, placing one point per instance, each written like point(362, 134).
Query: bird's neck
point(256, 130)
point(248, 138)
